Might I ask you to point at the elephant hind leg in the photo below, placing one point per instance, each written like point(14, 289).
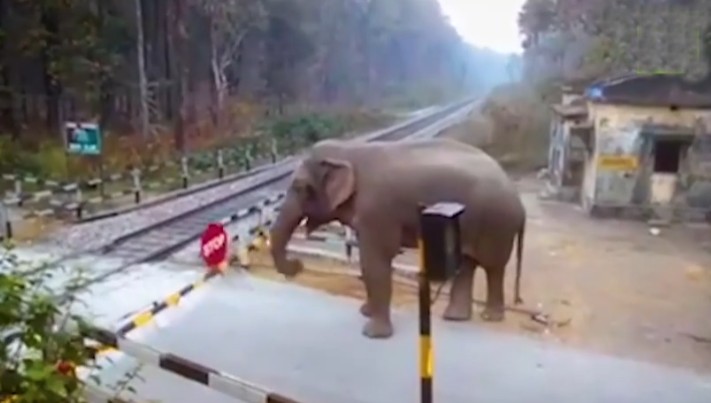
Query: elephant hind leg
point(460, 295)
point(495, 308)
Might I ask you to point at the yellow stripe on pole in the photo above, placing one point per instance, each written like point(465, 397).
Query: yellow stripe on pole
point(421, 254)
point(173, 299)
point(143, 319)
point(426, 357)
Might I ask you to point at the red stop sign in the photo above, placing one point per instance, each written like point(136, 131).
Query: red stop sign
point(213, 245)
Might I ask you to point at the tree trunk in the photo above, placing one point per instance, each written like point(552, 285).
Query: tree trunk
point(106, 97)
point(217, 77)
point(178, 42)
point(53, 90)
point(144, 122)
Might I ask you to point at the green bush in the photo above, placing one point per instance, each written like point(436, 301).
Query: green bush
point(295, 132)
point(41, 343)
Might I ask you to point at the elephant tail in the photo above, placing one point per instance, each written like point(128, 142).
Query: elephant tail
point(519, 261)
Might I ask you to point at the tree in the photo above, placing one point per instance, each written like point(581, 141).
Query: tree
point(579, 39)
point(172, 64)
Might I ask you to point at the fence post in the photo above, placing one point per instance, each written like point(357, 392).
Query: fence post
point(80, 205)
point(220, 164)
point(184, 170)
point(274, 150)
point(440, 252)
point(18, 190)
point(350, 241)
point(248, 158)
point(137, 189)
point(5, 221)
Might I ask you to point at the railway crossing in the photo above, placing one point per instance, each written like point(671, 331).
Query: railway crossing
point(221, 330)
point(306, 345)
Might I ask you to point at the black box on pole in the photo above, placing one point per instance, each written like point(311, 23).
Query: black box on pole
point(440, 234)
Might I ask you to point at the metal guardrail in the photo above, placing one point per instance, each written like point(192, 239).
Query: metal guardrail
point(60, 199)
point(53, 197)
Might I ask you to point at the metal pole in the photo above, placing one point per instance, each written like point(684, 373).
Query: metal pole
point(426, 354)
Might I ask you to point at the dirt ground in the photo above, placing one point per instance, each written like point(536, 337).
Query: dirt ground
point(611, 286)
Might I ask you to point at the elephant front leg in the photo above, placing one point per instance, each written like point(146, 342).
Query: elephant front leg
point(460, 294)
point(377, 278)
point(495, 308)
point(378, 286)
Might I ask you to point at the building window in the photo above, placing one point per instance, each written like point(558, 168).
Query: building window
point(667, 156)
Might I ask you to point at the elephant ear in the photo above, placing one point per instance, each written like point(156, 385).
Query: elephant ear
point(337, 181)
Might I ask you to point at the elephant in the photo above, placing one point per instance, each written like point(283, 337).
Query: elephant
point(377, 189)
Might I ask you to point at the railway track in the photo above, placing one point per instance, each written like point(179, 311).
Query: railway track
point(161, 239)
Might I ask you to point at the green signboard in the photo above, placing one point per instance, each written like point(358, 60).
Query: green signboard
point(83, 138)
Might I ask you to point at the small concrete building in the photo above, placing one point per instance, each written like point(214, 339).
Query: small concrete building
point(635, 146)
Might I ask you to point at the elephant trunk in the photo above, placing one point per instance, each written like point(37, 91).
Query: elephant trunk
point(290, 215)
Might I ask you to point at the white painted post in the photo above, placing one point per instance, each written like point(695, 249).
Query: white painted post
point(184, 170)
point(220, 164)
point(350, 240)
point(18, 190)
point(274, 150)
point(5, 222)
point(78, 200)
point(137, 188)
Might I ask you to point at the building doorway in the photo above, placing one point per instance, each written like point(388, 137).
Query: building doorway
point(668, 156)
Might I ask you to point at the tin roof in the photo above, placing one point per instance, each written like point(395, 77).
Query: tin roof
point(651, 90)
point(570, 111)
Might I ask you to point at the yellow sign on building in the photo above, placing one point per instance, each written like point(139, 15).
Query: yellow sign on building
point(618, 162)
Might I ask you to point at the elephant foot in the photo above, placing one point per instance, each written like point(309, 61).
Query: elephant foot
point(378, 329)
point(493, 314)
point(290, 268)
point(365, 310)
point(458, 312)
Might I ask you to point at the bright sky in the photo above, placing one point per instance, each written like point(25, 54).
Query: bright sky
point(486, 23)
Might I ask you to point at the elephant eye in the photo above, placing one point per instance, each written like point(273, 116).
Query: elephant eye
point(304, 190)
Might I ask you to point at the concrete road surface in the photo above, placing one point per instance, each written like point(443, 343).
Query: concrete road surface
point(307, 345)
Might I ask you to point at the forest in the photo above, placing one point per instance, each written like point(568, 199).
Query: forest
point(188, 71)
point(580, 41)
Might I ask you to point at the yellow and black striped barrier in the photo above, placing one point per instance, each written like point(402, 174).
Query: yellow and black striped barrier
point(149, 314)
point(440, 251)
